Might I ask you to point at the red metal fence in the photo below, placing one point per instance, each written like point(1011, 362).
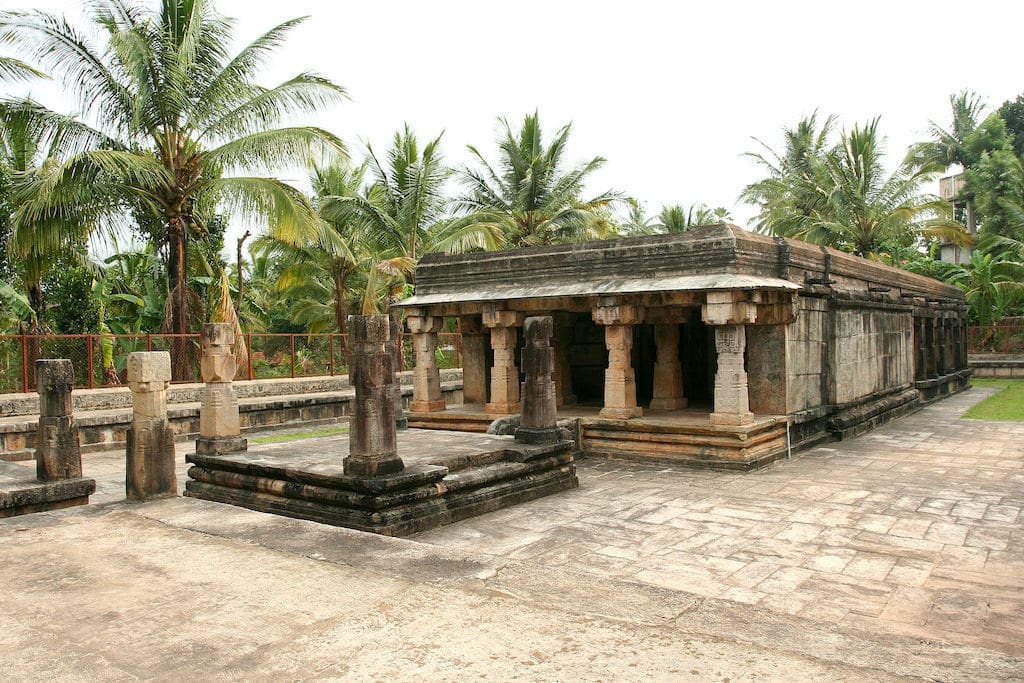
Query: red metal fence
point(996, 339)
point(270, 356)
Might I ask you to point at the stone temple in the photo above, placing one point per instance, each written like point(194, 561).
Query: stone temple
point(715, 347)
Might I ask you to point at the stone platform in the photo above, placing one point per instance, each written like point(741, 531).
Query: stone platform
point(448, 476)
point(21, 493)
point(681, 437)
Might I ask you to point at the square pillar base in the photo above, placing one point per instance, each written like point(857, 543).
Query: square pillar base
point(373, 465)
point(502, 408)
point(734, 419)
point(621, 413)
point(427, 406)
point(668, 403)
point(221, 444)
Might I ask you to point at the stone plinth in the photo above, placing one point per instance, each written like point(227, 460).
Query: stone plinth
point(219, 426)
point(373, 449)
point(58, 454)
point(538, 422)
point(447, 477)
point(58, 482)
point(150, 449)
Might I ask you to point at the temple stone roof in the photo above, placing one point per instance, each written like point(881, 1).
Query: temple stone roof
point(706, 258)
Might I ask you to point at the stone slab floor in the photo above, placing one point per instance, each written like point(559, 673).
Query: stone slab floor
point(899, 554)
point(915, 528)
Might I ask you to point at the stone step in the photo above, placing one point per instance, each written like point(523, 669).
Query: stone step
point(456, 421)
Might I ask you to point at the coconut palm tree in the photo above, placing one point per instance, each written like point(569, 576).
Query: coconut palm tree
point(403, 215)
point(529, 197)
point(183, 125)
point(867, 208)
point(33, 144)
point(796, 185)
point(675, 218)
point(950, 146)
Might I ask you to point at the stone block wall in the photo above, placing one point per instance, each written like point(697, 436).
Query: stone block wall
point(872, 352)
point(807, 354)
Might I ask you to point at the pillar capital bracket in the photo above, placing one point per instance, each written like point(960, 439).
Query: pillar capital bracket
point(612, 312)
point(423, 324)
point(728, 307)
point(494, 317)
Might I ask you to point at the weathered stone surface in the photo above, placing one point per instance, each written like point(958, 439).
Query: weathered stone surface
point(538, 424)
point(22, 494)
point(58, 454)
point(373, 441)
point(731, 399)
point(504, 374)
point(150, 466)
point(619, 377)
point(219, 421)
point(395, 388)
point(54, 380)
point(426, 382)
point(447, 479)
point(150, 440)
point(218, 412)
point(217, 363)
point(474, 360)
point(668, 370)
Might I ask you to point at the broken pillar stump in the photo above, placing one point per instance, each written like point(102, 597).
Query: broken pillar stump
point(58, 454)
point(539, 401)
point(373, 442)
point(219, 426)
point(150, 450)
point(58, 481)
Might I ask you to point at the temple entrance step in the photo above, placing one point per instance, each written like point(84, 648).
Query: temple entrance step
point(711, 446)
point(455, 421)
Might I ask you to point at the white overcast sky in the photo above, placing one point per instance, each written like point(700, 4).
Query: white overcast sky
point(671, 93)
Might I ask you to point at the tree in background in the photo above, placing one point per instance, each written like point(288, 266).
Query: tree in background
point(183, 125)
point(529, 197)
point(840, 195)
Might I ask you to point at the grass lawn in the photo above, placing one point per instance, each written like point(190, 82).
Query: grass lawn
point(295, 436)
point(1007, 404)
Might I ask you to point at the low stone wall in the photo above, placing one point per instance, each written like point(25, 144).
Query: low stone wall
point(104, 415)
point(1001, 365)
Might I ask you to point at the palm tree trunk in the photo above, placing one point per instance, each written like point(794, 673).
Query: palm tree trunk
point(181, 367)
point(340, 277)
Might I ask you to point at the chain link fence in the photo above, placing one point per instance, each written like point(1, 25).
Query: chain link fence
point(99, 359)
point(996, 339)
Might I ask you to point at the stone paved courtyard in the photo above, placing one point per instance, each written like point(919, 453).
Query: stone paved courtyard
point(899, 553)
point(914, 528)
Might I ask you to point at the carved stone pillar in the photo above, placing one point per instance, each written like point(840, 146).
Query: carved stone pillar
point(563, 371)
point(668, 370)
point(373, 441)
point(426, 378)
point(732, 402)
point(58, 454)
point(474, 360)
point(395, 389)
point(219, 428)
point(504, 374)
point(619, 377)
point(538, 423)
point(729, 312)
point(150, 471)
